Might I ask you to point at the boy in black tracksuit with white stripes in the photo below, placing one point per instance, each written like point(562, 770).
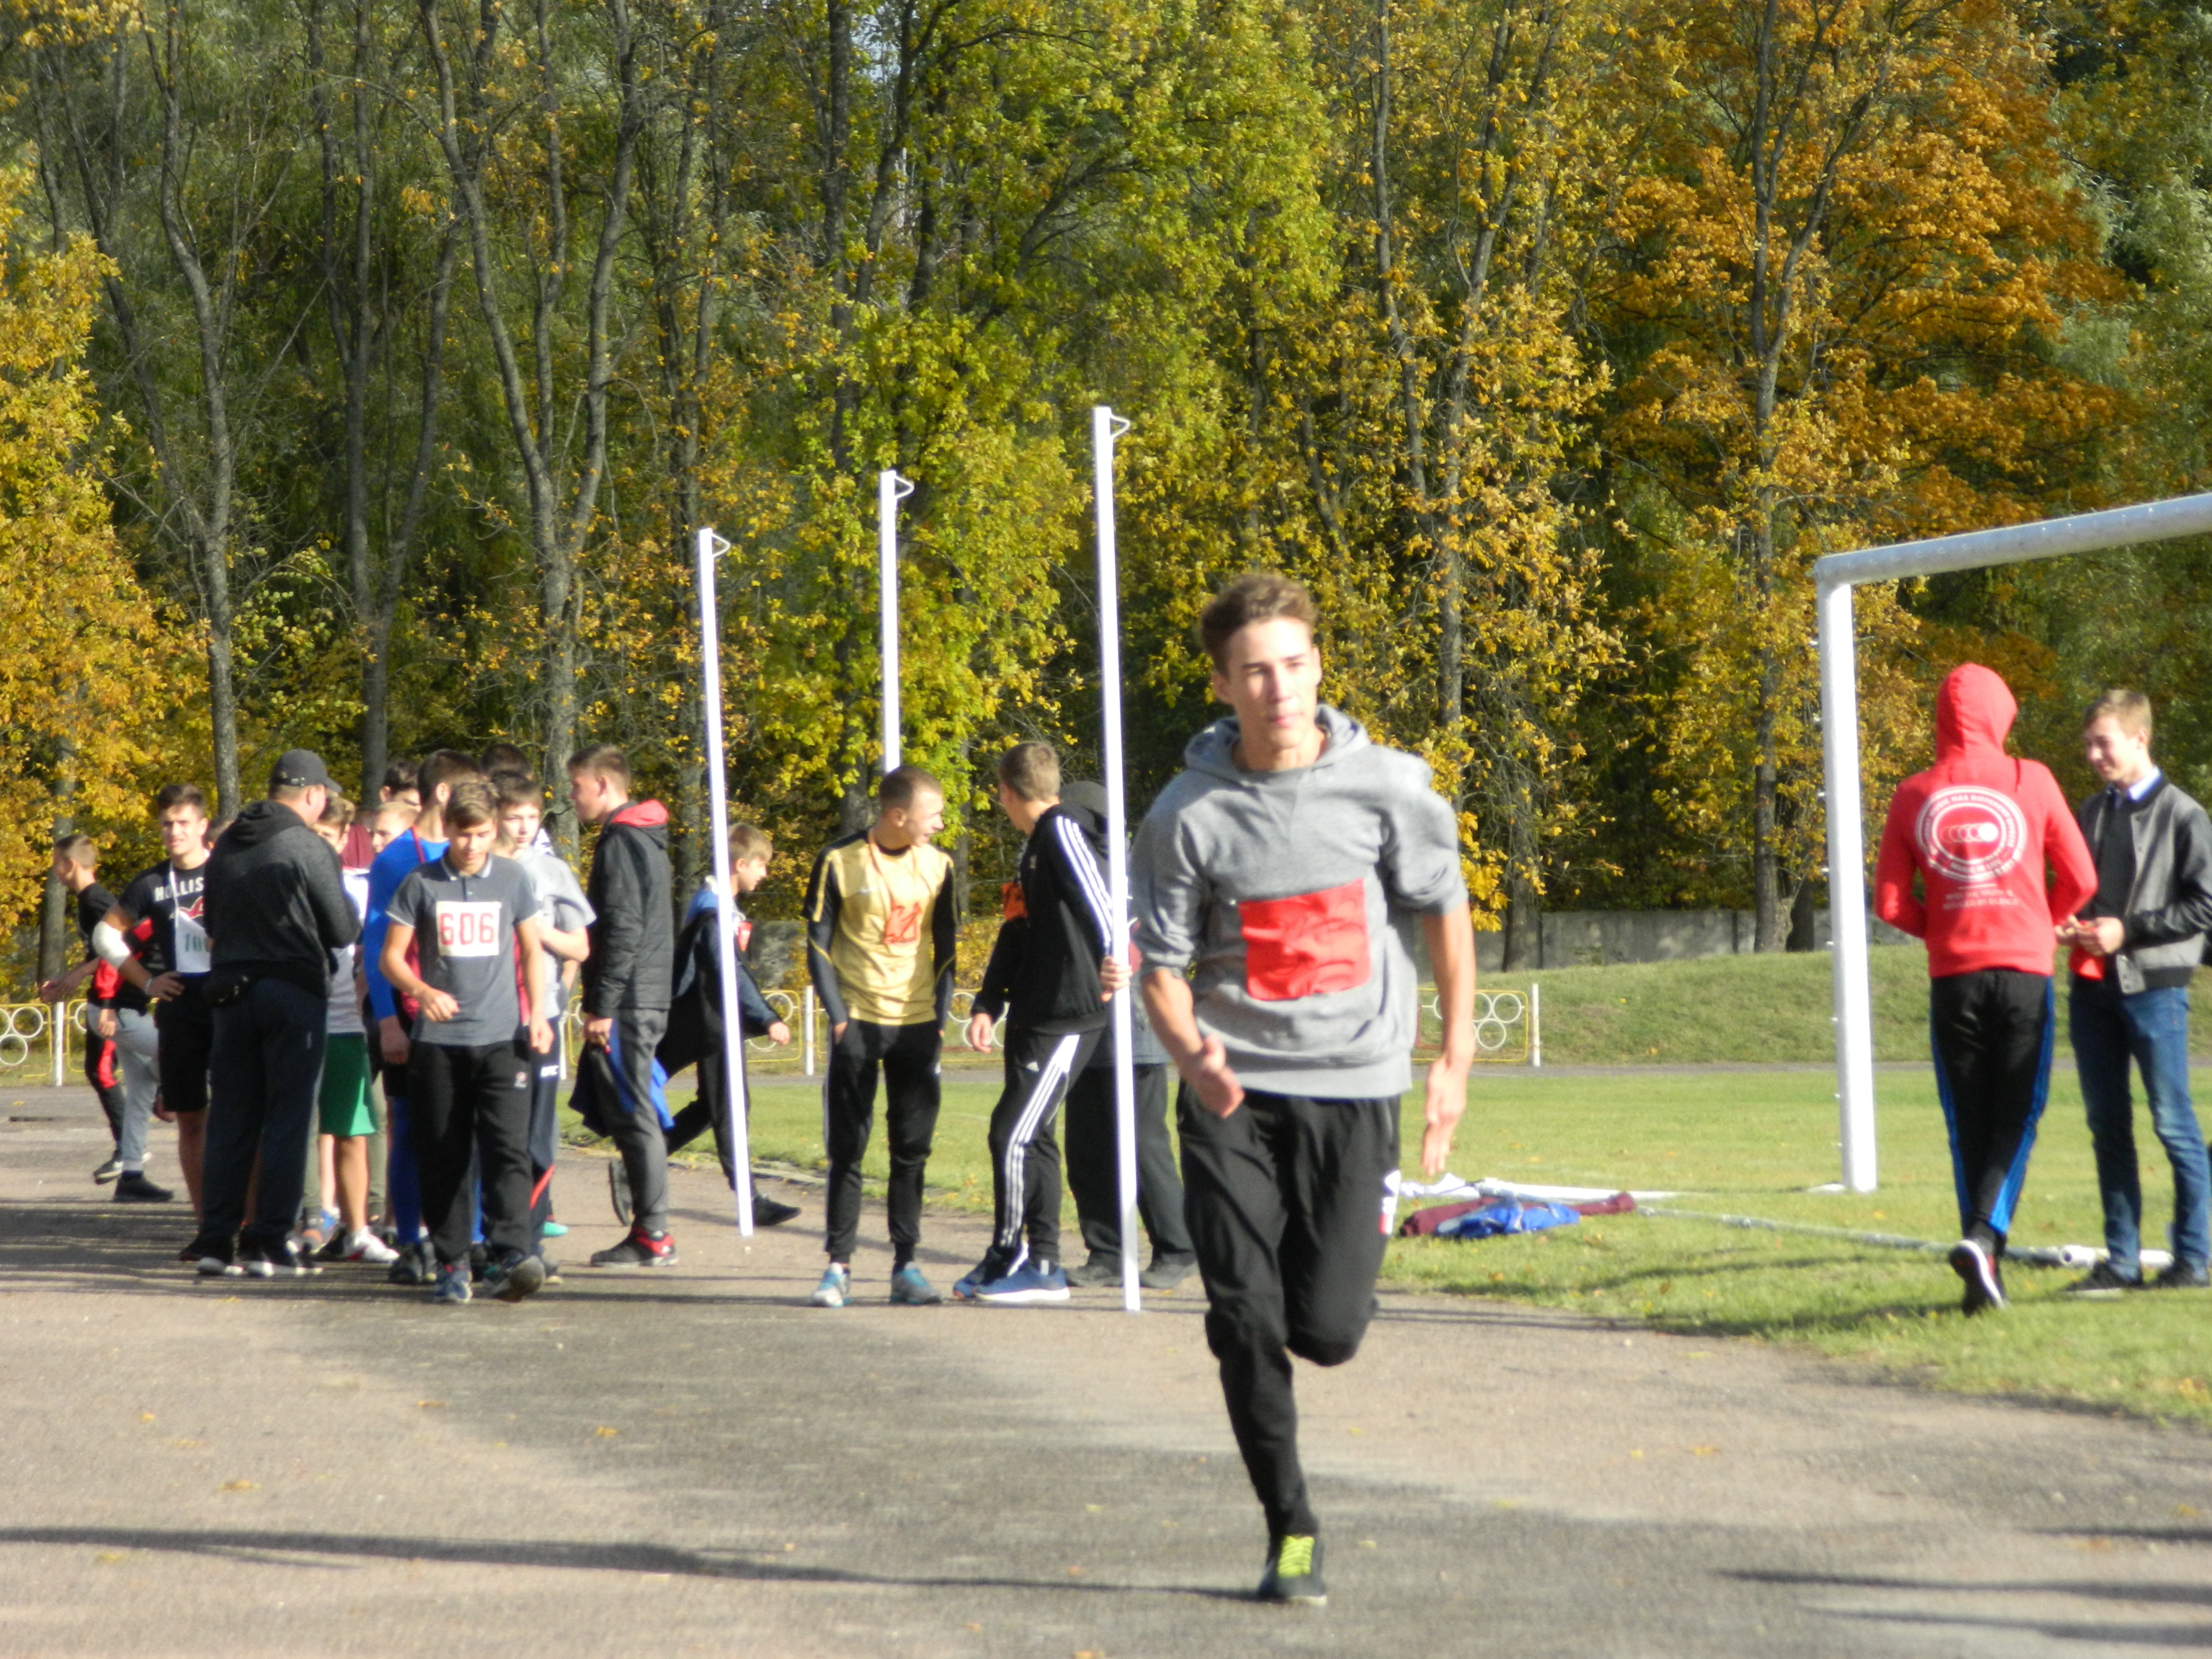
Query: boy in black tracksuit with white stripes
point(1051, 975)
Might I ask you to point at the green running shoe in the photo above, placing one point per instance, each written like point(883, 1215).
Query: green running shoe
point(1294, 1573)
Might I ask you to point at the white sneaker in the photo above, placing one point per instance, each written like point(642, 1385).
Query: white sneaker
point(366, 1245)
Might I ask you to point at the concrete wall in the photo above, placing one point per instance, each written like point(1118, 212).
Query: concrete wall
point(1588, 938)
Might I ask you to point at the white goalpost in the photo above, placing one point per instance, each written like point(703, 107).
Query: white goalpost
point(711, 547)
point(1833, 579)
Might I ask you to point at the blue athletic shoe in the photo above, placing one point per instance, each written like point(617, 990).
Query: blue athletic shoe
point(909, 1287)
point(835, 1290)
point(453, 1286)
point(993, 1266)
point(1033, 1281)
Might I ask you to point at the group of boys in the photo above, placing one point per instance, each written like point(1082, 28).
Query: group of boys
point(438, 940)
point(2128, 895)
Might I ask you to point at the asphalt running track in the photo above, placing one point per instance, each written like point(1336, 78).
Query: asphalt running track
point(698, 1463)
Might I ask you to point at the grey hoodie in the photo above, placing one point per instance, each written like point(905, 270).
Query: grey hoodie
point(1285, 894)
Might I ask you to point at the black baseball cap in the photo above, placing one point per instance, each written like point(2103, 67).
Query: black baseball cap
point(300, 768)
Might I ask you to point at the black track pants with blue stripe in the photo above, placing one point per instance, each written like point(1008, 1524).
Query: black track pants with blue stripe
point(1992, 1039)
point(1025, 1153)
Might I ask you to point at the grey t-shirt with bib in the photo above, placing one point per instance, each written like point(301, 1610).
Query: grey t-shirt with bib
point(464, 940)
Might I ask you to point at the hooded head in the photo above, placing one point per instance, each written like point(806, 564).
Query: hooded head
point(1974, 712)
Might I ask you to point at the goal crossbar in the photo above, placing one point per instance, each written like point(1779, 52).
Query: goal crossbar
point(1833, 579)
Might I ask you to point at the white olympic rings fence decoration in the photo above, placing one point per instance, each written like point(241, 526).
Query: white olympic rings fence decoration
point(25, 1023)
point(1497, 1013)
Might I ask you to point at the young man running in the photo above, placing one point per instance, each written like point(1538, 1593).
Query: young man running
point(1275, 871)
point(1979, 828)
point(626, 985)
point(1051, 975)
point(120, 1054)
point(170, 971)
point(421, 842)
point(564, 919)
point(695, 1016)
point(2136, 943)
point(468, 915)
point(881, 937)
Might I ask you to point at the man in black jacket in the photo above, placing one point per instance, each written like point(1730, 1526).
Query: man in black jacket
point(626, 986)
point(276, 909)
point(1050, 974)
point(2136, 946)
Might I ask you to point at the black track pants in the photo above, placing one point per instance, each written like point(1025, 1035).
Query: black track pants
point(1992, 1038)
point(1025, 1155)
point(472, 1104)
point(906, 1056)
point(1285, 1198)
point(1094, 1169)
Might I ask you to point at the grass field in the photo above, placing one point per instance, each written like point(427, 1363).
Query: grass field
point(1745, 1144)
point(1746, 1008)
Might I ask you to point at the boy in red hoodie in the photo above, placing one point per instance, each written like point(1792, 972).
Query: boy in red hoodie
point(1979, 828)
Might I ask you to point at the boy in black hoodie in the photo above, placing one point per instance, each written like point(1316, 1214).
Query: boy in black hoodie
point(626, 986)
point(1051, 972)
point(276, 908)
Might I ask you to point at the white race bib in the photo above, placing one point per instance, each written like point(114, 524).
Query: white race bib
point(193, 956)
point(468, 927)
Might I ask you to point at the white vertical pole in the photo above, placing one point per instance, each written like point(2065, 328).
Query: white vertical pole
point(890, 490)
point(806, 1007)
point(726, 907)
point(1847, 925)
point(1105, 426)
point(1535, 1025)
point(57, 1039)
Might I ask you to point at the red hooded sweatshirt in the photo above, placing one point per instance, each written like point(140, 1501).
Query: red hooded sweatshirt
point(1978, 826)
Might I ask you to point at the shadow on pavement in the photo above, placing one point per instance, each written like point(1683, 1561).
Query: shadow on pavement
point(2105, 1634)
point(285, 1548)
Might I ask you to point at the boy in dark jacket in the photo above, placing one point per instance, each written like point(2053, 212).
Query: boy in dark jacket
point(276, 909)
point(695, 1016)
point(2137, 944)
point(626, 986)
point(1050, 974)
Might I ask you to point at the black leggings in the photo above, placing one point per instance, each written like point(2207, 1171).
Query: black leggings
point(907, 1056)
point(1289, 1212)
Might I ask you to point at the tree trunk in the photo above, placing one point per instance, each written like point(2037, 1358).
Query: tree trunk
point(1803, 918)
point(1524, 926)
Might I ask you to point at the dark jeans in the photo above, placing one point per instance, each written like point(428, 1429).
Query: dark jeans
point(1285, 1198)
point(637, 1132)
point(265, 1075)
point(1992, 1032)
point(472, 1108)
point(2110, 1027)
point(907, 1058)
point(1094, 1171)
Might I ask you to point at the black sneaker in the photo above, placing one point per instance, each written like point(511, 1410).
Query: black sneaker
point(516, 1278)
point(2104, 1281)
point(619, 1192)
point(1294, 1573)
point(108, 1171)
point(639, 1250)
point(1165, 1274)
point(1972, 1260)
point(1098, 1270)
point(286, 1260)
point(2182, 1276)
point(133, 1188)
point(771, 1211)
point(415, 1266)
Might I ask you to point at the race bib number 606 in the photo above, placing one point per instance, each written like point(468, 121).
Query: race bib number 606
point(468, 927)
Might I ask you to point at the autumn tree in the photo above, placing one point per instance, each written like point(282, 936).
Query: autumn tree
point(92, 658)
point(1846, 268)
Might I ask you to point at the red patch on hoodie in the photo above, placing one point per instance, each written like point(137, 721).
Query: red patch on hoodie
point(1305, 944)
